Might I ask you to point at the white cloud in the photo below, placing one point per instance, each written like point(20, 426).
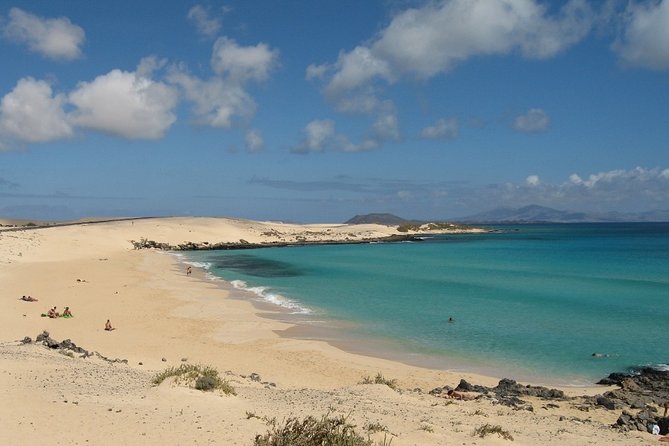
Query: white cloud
point(148, 65)
point(124, 104)
point(317, 135)
point(355, 69)
point(204, 22)
point(54, 38)
point(254, 141)
point(217, 101)
point(645, 40)
point(425, 41)
point(534, 121)
point(431, 39)
point(639, 188)
point(532, 180)
point(316, 71)
point(32, 113)
point(243, 63)
point(221, 99)
point(386, 125)
point(442, 129)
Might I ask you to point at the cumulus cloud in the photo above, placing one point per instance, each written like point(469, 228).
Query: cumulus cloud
point(635, 189)
point(316, 136)
point(54, 38)
point(645, 37)
point(442, 129)
point(534, 121)
point(201, 17)
point(319, 135)
point(243, 63)
point(532, 180)
point(124, 104)
point(315, 71)
point(424, 41)
point(32, 113)
point(431, 39)
point(254, 141)
point(217, 101)
point(223, 98)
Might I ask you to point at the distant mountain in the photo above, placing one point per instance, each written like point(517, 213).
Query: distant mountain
point(542, 214)
point(379, 219)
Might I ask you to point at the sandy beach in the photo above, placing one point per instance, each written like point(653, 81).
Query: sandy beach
point(164, 318)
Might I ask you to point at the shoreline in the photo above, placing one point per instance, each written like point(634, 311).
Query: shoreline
point(334, 333)
point(163, 317)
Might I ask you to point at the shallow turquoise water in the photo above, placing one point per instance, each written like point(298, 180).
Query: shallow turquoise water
point(533, 301)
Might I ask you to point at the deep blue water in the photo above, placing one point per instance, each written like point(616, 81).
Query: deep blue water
point(531, 301)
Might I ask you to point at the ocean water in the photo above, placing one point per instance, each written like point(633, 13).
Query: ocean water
point(530, 302)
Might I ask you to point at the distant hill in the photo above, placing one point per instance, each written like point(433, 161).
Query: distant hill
point(379, 219)
point(542, 214)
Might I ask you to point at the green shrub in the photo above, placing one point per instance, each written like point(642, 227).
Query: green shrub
point(205, 383)
point(379, 379)
point(201, 377)
point(330, 431)
point(487, 429)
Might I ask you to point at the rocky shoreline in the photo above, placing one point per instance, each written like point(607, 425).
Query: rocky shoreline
point(641, 397)
point(243, 244)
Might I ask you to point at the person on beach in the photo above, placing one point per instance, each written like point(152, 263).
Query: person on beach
point(108, 326)
point(53, 313)
point(189, 270)
point(67, 312)
point(666, 408)
point(29, 299)
point(457, 395)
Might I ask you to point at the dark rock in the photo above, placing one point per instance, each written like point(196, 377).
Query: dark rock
point(606, 402)
point(26, 340)
point(464, 386)
point(255, 377)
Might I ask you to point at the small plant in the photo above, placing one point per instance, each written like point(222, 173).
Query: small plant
point(379, 379)
point(426, 428)
point(487, 429)
point(335, 431)
point(206, 383)
point(375, 427)
point(250, 415)
point(201, 377)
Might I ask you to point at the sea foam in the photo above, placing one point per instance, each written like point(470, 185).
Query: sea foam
point(268, 296)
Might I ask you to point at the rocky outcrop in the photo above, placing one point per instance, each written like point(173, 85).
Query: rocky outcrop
point(243, 244)
point(68, 347)
point(507, 392)
point(646, 390)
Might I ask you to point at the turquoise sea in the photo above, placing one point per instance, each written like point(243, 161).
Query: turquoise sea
point(530, 302)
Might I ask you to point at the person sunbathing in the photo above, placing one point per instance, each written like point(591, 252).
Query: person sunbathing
point(108, 326)
point(29, 299)
point(458, 395)
point(53, 313)
point(67, 312)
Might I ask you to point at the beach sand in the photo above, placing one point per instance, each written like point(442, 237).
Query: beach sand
point(165, 318)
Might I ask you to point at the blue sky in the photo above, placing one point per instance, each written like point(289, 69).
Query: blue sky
point(317, 111)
